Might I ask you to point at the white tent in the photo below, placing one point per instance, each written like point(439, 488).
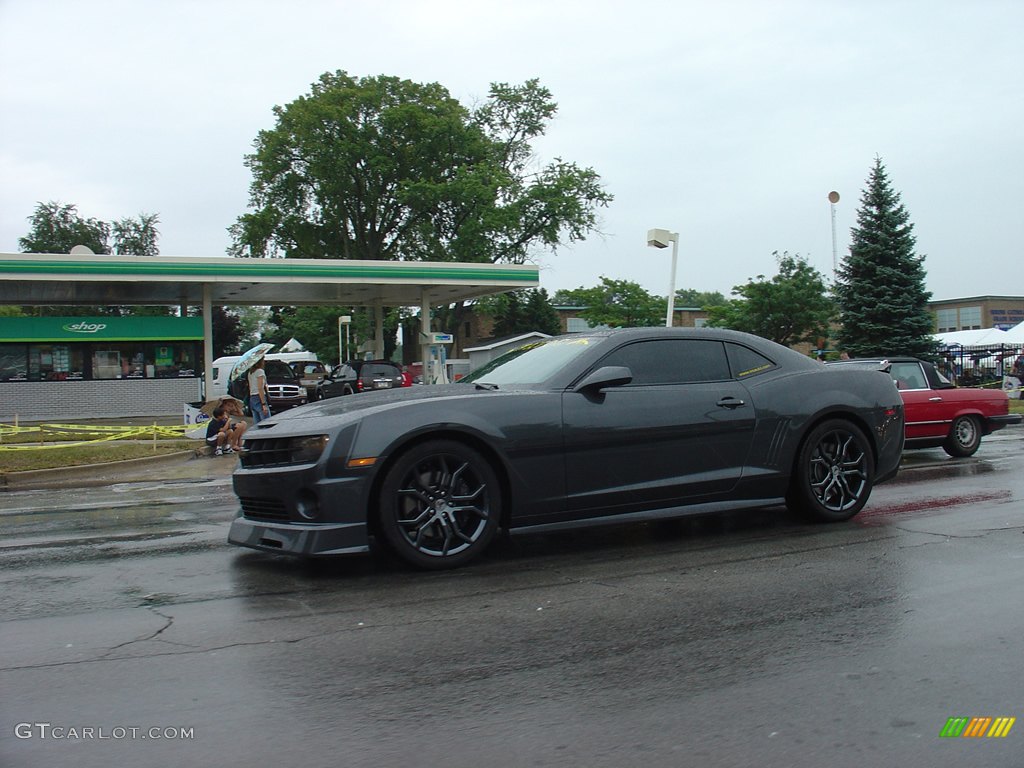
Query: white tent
point(1015, 335)
point(293, 345)
point(974, 338)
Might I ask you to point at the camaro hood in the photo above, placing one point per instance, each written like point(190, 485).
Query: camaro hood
point(370, 401)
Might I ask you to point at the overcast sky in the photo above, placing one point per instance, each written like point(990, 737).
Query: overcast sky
point(729, 122)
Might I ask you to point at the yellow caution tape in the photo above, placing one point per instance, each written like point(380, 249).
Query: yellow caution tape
point(98, 433)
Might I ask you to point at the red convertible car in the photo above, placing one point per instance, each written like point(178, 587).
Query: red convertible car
point(939, 413)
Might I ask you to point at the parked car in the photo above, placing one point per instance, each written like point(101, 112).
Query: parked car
point(310, 373)
point(938, 413)
point(284, 389)
point(362, 376)
point(607, 426)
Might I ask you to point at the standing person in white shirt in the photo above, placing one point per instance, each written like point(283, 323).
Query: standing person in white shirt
point(258, 402)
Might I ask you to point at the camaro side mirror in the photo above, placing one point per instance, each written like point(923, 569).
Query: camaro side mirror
point(608, 376)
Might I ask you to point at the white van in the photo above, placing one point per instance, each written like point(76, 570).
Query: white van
point(222, 369)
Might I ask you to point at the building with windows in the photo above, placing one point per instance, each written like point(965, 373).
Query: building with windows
point(682, 317)
point(977, 312)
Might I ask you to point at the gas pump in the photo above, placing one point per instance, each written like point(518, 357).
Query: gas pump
point(435, 370)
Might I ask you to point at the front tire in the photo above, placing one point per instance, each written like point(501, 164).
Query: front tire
point(834, 473)
point(964, 437)
point(440, 505)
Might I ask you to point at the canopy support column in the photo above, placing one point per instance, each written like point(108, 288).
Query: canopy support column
point(425, 337)
point(378, 332)
point(207, 342)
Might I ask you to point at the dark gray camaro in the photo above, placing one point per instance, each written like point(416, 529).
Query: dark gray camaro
point(577, 430)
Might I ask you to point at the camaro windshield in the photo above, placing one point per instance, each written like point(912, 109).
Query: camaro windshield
point(530, 364)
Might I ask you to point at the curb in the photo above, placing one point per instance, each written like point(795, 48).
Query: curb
point(85, 474)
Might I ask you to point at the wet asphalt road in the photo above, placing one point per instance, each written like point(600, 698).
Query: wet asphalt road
point(740, 640)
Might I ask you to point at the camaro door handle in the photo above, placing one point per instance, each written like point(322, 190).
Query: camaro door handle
point(730, 402)
point(934, 399)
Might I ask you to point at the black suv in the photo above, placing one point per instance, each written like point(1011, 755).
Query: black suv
point(284, 389)
point(361, 376)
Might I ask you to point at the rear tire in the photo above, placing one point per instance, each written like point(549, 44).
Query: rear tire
point(834, 473)
point(440, 505)
point(964, 437)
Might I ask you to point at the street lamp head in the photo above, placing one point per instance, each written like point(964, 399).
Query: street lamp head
point(660, 238)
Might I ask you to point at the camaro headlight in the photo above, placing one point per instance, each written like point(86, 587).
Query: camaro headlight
point(306, 450)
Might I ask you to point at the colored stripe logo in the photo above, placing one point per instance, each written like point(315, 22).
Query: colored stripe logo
point(977, 727)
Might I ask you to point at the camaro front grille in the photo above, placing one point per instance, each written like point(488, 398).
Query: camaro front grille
point(263, 509)
point(282, 451)
point(267, 453)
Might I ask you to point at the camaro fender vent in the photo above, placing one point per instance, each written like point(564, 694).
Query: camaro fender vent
point(777, 441)
point(263, 509)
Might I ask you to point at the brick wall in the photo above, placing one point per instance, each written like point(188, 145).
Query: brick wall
point(57, 400)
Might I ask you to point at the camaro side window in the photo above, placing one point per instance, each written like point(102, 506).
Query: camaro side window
point(746, 362)
point(672, 361)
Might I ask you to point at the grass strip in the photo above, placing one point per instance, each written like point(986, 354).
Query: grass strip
point(101, 453)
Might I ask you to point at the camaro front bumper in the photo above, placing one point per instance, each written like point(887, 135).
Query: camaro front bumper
point(296, 510)
point(302, 539)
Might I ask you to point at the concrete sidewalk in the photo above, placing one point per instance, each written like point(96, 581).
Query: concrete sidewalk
point(176, 466)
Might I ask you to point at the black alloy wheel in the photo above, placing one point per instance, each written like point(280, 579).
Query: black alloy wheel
point(964, 437)
point(440, 505)
point(834, 473)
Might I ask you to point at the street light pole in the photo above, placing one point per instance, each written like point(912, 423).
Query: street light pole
point(660, 238)
point(833, 198)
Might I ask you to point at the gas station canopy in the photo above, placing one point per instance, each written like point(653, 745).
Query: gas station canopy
point(62, 279)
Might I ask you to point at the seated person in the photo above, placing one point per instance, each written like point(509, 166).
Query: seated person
point(221, 434)
point(237, 426)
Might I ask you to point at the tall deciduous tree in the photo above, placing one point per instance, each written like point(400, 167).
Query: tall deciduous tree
point(792, 307)
point(384, 168)
point(137, 237)
point(880, 286)
point(57, 228)
point(616, 303)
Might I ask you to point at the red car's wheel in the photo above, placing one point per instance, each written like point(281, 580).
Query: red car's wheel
point(964, 437)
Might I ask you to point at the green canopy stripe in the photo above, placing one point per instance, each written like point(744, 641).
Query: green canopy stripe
point(277, 269)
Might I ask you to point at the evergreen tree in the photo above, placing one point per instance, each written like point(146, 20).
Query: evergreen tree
point(880, 286)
